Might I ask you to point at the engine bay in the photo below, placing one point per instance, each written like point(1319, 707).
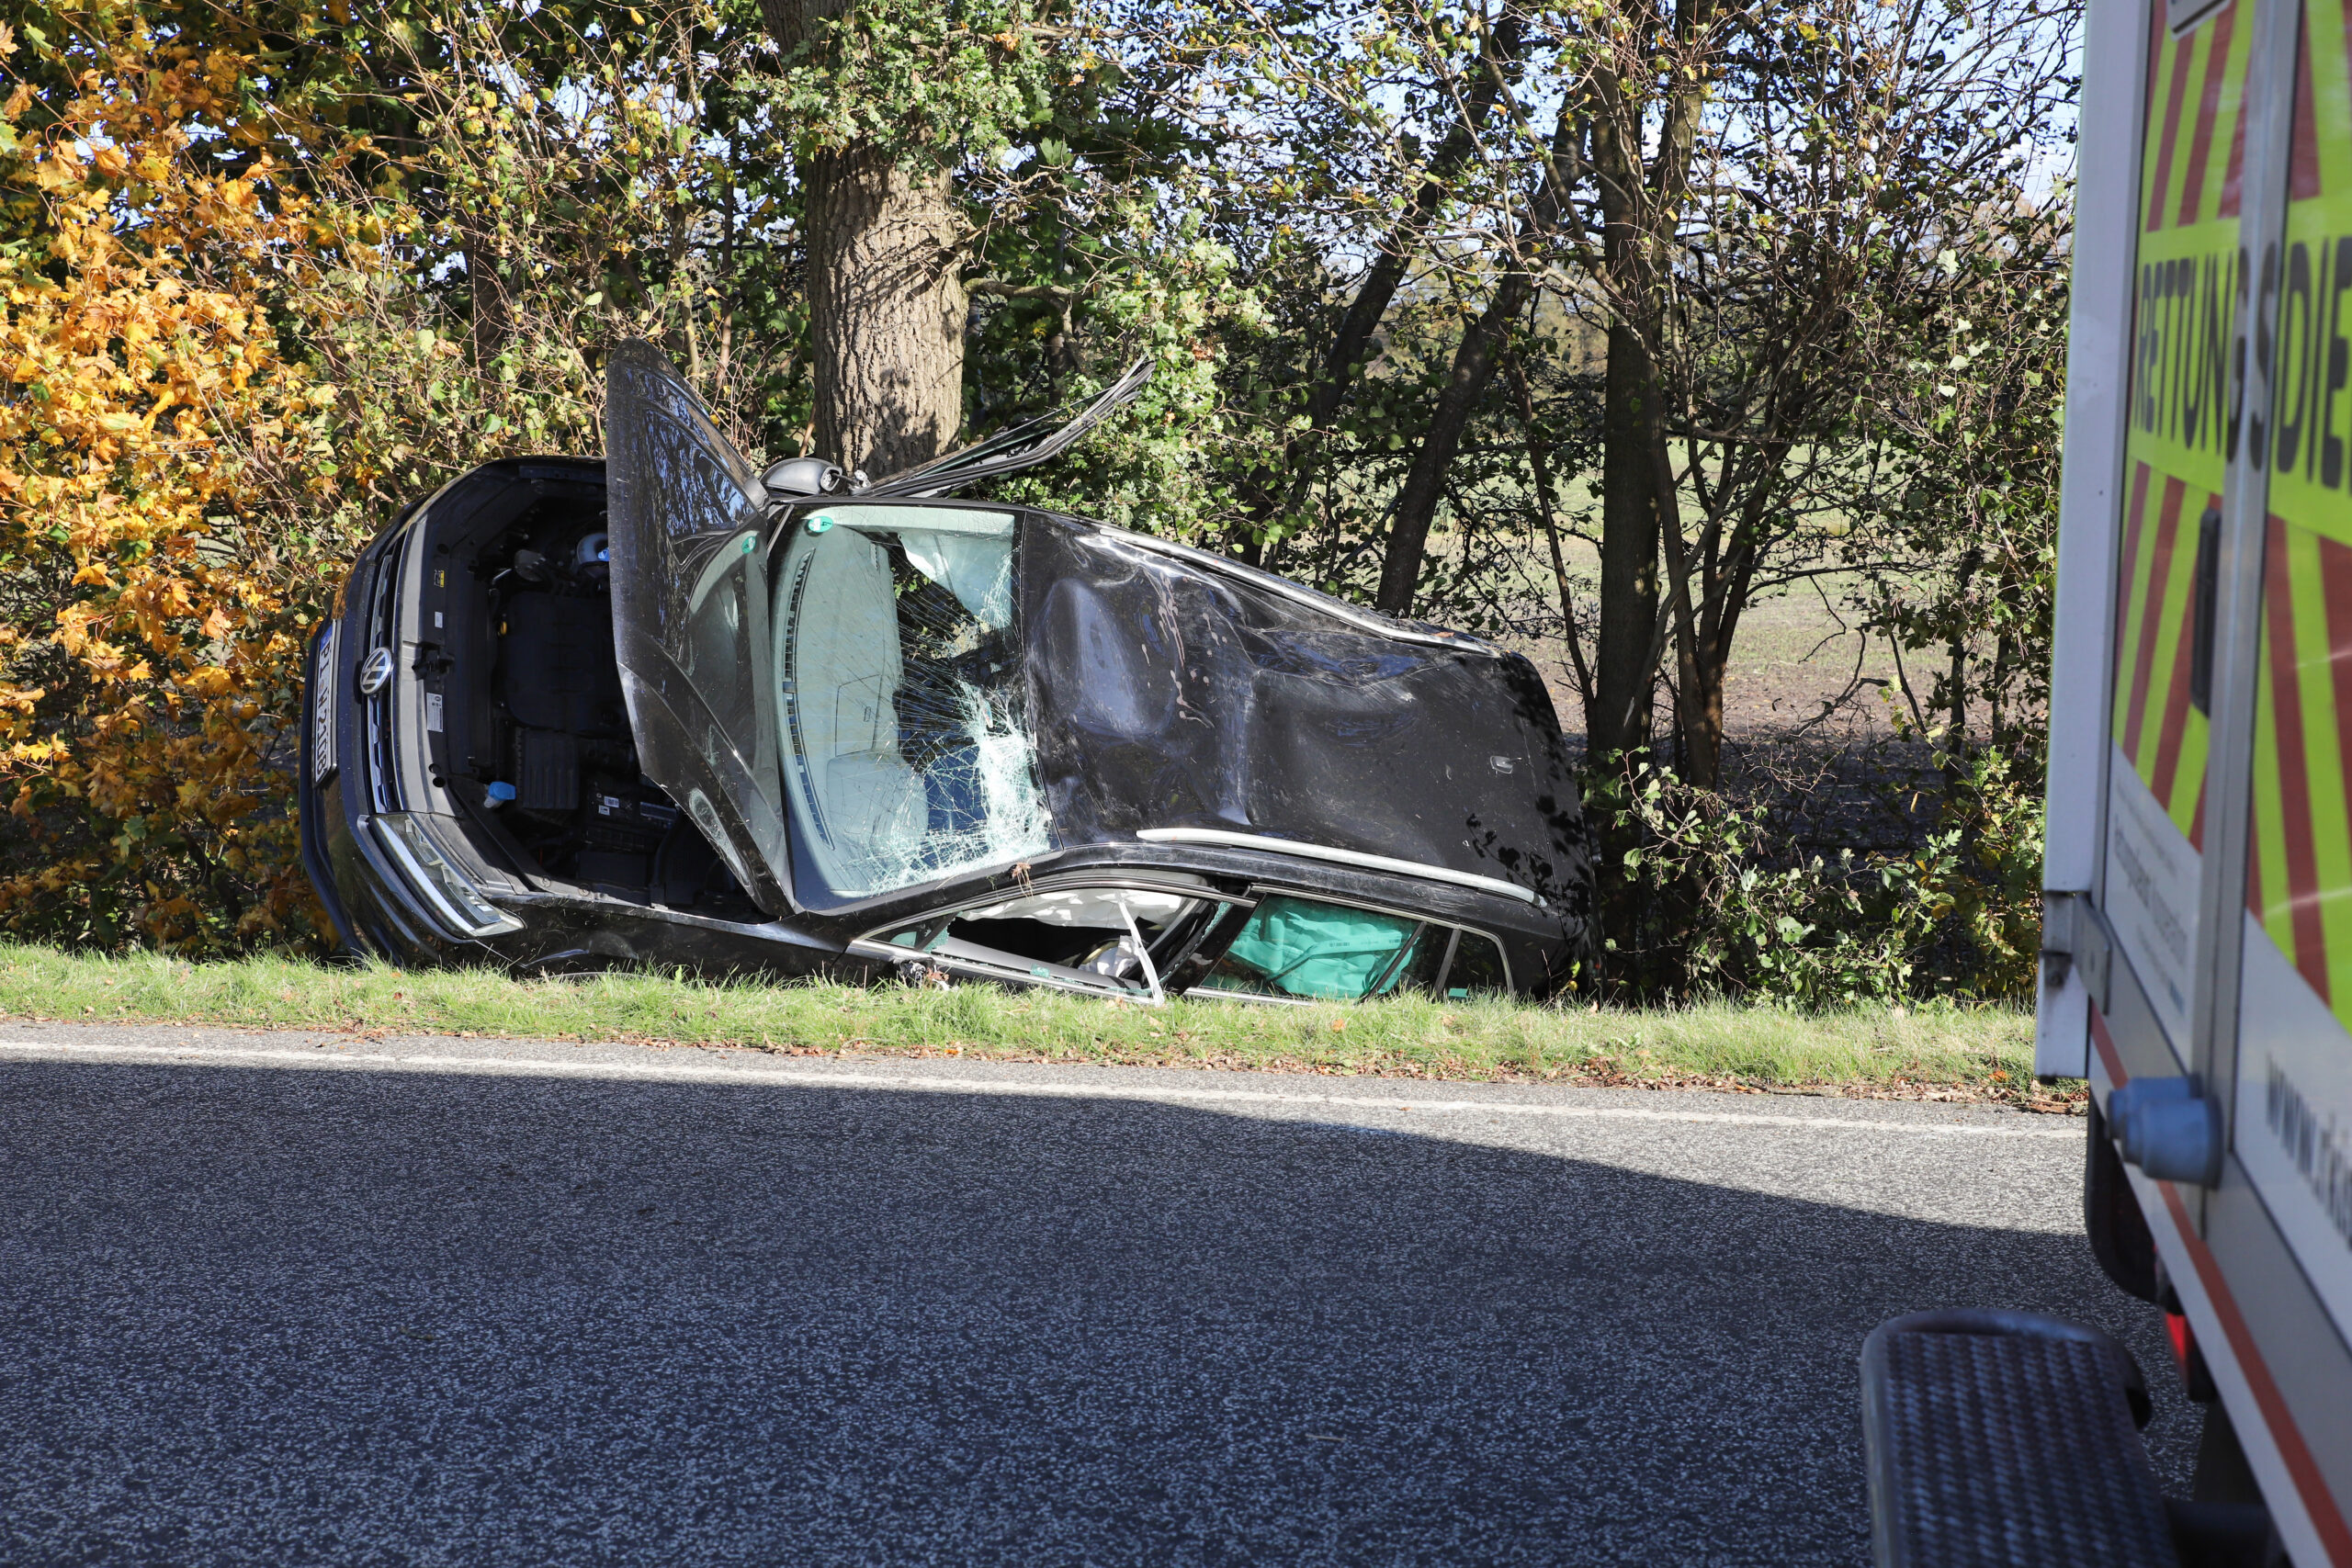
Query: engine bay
point(534, 732)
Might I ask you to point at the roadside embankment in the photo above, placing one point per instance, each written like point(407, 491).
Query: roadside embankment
point(1938, 1052)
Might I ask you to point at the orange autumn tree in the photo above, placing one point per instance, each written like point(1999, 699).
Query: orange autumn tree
point(160, 566)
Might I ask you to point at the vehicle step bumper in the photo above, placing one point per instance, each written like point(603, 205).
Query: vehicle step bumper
point(2008, 1440)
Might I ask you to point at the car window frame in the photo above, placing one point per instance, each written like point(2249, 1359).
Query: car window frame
point(1453, 951)
point(1261, 891)
point(871, 946)
point(784, 520)
point(1019, 970)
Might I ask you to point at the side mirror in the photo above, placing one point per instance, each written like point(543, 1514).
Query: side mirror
point(803, 475)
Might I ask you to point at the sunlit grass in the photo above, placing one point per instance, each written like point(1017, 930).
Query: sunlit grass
point(1938, 1050)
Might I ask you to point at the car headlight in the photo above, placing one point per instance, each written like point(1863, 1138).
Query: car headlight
point(443, 886)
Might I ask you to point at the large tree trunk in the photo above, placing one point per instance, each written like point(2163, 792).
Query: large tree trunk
point(886, 308)
point(885, 295)
point(489, 318)
point(1625, 649)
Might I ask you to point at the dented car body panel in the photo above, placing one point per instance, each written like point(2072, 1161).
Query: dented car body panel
point(1177, 692)
point(643, 713)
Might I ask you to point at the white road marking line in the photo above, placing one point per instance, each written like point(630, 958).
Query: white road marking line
point(802, 1078)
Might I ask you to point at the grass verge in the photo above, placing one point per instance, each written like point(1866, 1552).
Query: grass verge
point(1939, 1052)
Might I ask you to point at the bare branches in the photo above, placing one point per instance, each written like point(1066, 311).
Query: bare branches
point(999, 288)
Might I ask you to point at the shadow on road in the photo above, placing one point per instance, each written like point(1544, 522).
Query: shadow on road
point(286, 1317)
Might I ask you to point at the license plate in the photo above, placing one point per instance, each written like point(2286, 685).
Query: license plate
point(322, 707)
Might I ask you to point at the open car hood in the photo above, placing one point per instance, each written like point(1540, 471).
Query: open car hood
point(690, 616)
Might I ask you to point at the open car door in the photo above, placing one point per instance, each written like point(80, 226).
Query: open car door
point(690, 617)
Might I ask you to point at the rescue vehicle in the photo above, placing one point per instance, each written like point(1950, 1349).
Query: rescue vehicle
point(2197, 926)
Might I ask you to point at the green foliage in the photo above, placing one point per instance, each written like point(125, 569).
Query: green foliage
point(1954, 530)
point(481, 202)
point(1157, 465)
point(1712, 896)
point(542, 190)
point(936, 85)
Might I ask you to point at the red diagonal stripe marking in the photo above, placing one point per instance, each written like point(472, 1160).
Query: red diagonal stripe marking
point(2234, 177)
point(2171, 134)
point(2209, 108)
point(2294, 776)
point(2302, 1469)
point(2152, 615)
point(2311, 1482)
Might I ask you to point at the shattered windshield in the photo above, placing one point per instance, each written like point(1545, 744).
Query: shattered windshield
point(907, 750)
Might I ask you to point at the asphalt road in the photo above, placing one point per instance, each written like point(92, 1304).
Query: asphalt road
point(277, 1299)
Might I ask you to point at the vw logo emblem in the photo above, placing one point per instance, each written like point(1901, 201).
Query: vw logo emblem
point(376, 672)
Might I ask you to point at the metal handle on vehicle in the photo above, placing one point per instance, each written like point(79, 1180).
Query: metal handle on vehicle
point(2208, 585)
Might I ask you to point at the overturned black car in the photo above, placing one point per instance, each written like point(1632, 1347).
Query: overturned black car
point(660, 710)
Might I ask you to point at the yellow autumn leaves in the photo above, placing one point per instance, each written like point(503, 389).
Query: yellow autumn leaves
point(158, 576)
